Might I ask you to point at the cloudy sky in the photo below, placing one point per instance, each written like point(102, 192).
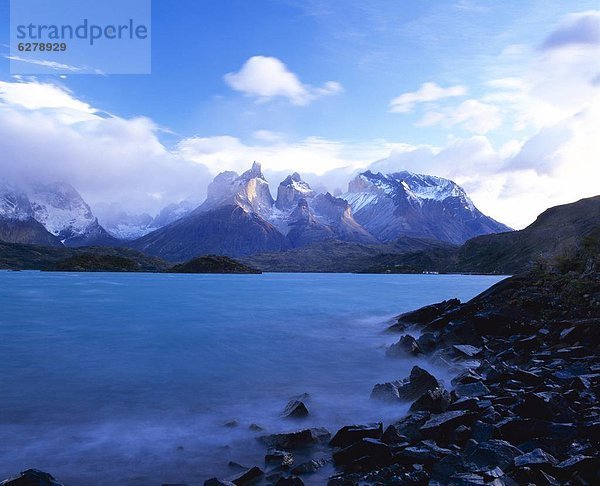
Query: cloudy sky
point(501, 96)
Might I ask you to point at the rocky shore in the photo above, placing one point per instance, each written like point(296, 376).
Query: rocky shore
point(522, 409)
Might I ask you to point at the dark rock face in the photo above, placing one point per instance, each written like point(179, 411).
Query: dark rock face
point(407, 346)
point(296, 440)
point(411, 388)
point(424, 315)
point(27, 232)
point(434, 401)
point(338, 215)
point(217, 482)
point(227, 230)
point(291, 481)
point(32, 477)
point(305, 228)
point(291, 190)
point(309, 467)
point(353, 433)
point(369, 451)
point(247, 476)
point(279, 458)
point(295, 409)
point(494, 453)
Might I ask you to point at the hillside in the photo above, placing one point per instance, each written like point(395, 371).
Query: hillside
point(341, 256)
point(212, 264)
point(558, 230)
point(14, 256)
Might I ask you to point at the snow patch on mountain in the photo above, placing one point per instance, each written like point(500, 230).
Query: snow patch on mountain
point(61, 209)
point(14, 203)
point(249, 191)
point(408, 204)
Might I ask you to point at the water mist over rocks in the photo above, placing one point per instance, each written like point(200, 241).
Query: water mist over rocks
point(133, 395)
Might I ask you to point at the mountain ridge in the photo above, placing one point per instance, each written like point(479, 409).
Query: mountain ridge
point(408, 204)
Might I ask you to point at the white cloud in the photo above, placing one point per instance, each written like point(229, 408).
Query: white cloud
point(34, 96)
point(268, 135)
point(312, 154)
point(582, 28)
point(48, 134)
point(472, 115)
point(428, 92)
point(476, 116)
point(520, 179)
point(266, 78)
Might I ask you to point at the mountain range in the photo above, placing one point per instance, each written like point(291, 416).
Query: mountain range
point(241, 217)
point(558, 233)
point(49, 214)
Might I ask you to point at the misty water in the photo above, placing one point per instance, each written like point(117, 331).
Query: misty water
point(130, 378)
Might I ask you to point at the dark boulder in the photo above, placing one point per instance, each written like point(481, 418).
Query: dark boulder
point(477, 389)
point(467, 350)
point(427, 342)
point(309, 466)
point(247, 477)
point(217, 482)
point(536, 458)
point(297, 439)
point(353, 433)
point(439, 426)
point(465, 403)
point(467, 376)
point(425, 452)
point(583, 466)
point(517, 430)
point(392, 436)
point(528, 475)
point(295, 409)
point(466, 479)
point(419, 382)
point(409, 426)
point(375, 452)
point(291, 481)
point(535, 406)
point(434, 401)
point(278, 458)
point(494, 453)
point(424, 315)
point(406, 346)
point(31, 477)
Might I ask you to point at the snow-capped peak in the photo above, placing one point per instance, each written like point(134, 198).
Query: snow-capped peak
point(61, 209)
point(418, 187)
point(14, 203)
point(291, 190)
point(249, 191)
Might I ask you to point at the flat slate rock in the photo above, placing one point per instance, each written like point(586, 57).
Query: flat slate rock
point(446, 419)
point(467, 350)
point(350, 434)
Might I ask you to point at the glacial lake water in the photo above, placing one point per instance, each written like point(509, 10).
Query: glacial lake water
point(129, 378)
